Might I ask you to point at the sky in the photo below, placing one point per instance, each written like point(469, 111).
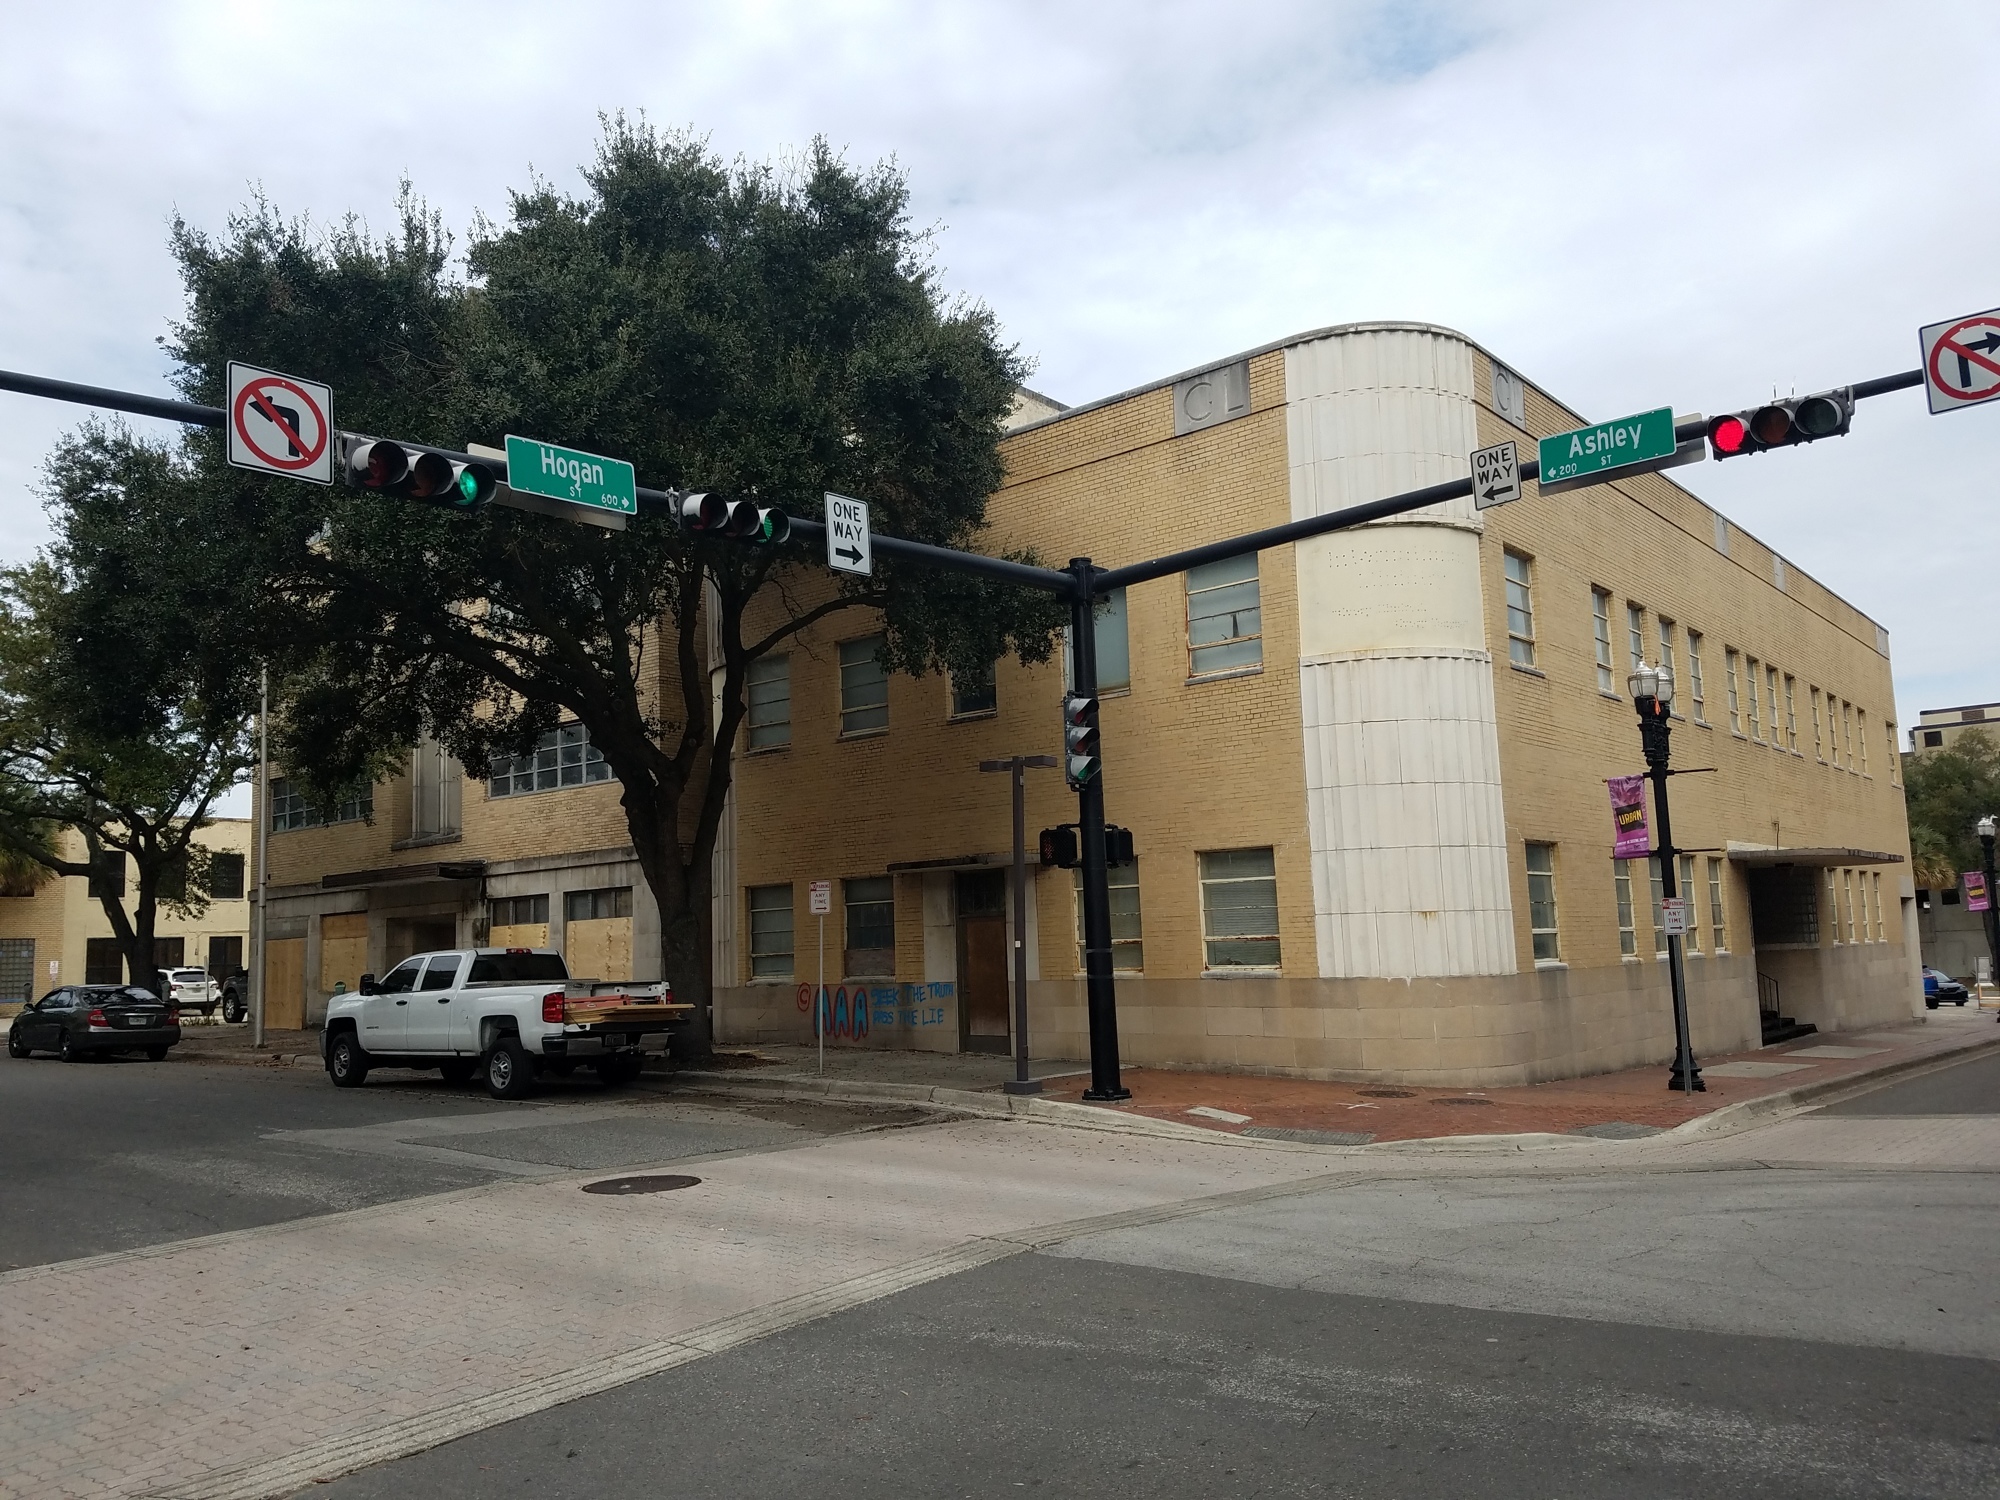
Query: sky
point(1634, 205)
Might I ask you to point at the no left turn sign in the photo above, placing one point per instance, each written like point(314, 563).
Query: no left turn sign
point(279, 424)
point(1962, 361)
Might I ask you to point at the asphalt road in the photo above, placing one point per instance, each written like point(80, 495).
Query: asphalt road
point(1726, 1330)
point(119, 1153)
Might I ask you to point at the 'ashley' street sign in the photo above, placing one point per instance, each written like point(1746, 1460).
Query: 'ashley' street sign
point(1612, 450)
point(539, 468)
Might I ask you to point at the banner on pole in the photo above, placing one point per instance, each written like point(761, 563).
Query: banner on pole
point(1628, 817)
point(1977, 897)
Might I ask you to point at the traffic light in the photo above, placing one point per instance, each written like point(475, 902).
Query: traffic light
point(418, 474)
point(1081, 762)
point(1118, 847)
point(1801, 419)
point(1059, 847)
point(705, 513)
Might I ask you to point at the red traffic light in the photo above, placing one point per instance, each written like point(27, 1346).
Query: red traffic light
point(1728, 436)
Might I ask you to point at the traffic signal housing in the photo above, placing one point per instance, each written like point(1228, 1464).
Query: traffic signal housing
point(1062, 848)
point(418, 474)
point(1081, 761)
point(706, 513)
point(1782, 424)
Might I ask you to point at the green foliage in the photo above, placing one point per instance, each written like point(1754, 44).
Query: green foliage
point(1947, 791)
point(727, 327)
point(124, 702)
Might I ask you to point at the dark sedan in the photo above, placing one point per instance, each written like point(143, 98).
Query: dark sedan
point(81, 1020)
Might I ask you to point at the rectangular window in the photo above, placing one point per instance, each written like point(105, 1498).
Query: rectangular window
point(598, 905)
point(225, 956)
point(225, 876)
point(770, 931)
point(1659, 895)
point(437, 787)
point(1729, 673)
point(1718, 913)
point(17, 969)
point(1692, 942)
point(1861, 731)
point(864, 686)
point(767, 693)
point(976, 695)
point(1847, 901)
point(1239, 909)
point(1833, 902)
point(871, 925)
point(1694, 677)
point(1667, 651)
point(1750, 679)
point(1847, 730)
point(289, 809)
point(1875, 891)
point(1114, 646)
point(1771, 697)
point(1520, 609)
point(103, 961)
point(1225, 619)
point(518, 911)
point(1542, 903)
point(107, 878)
point(1895, 756)
point(1819, 737)
point(1128, 951)
point(1635, 635)
point(1621, 888)
point(1791, 714)
point(1600, 619)
point(562, 757)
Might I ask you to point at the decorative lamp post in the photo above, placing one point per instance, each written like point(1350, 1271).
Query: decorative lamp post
point(1986, 830)
point(1652, 690)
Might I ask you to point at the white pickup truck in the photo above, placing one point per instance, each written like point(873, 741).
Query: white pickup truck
point(507, 1014)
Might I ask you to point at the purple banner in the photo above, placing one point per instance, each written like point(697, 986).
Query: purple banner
point(1628, 817)
point(1977, 897)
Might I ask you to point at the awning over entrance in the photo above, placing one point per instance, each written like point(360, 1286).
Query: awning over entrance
point(1764, 857)
point(960, 862)
point(462, 869)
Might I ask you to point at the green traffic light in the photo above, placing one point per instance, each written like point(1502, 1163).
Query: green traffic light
point(468, 487)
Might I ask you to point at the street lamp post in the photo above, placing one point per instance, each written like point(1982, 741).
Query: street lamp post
point(1018, 765)
point(1986, 831)
point(1652, 690)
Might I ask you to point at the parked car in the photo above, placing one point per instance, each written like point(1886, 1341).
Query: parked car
point(505, 1014)
point(1940, 988)
point(82, 1020)
point(236, 996)
point(191, 989)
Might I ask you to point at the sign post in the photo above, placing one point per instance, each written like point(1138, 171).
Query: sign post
point(847, 544)
point(822, 903)
point(279, 424)
point(1605, 451)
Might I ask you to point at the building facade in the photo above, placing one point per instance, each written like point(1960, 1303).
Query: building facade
point(1365, 773)
point(55, 932)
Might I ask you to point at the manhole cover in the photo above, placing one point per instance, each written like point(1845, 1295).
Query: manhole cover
point(1386, 1093)
point(628, 1185)
point(1461, 1101)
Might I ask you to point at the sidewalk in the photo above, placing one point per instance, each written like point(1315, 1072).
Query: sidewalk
point(1623, 1105)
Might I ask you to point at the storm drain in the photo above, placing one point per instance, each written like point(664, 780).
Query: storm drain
point(1316, 1137)
point(1617, 1130)
point(1386, 1093)
point(628, 1185)
point(1461, 1101)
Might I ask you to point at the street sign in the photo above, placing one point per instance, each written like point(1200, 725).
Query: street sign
point(1676, 915)
point(1496, 475)
point(538, 468)
point(279, 424)
point(1962, 361)
point(1604, 451)
point(847, 546)
point(822, 897)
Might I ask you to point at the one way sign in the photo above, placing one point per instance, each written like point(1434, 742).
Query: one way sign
point(1496, 475)
point(847, 534)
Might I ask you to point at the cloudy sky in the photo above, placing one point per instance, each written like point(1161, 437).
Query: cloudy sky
point(1636, 205)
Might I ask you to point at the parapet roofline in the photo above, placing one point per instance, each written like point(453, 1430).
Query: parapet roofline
point(1962, 708)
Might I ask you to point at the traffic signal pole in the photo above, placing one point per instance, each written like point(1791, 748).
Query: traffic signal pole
point(1080, 585)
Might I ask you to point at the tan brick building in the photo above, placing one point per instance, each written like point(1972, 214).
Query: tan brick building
point(1365, 775)
point(57, 933)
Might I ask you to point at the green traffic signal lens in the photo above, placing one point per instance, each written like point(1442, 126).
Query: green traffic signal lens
point(468, 488)
point(1817, 417)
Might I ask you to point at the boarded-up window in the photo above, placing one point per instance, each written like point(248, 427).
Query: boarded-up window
point(343, 950)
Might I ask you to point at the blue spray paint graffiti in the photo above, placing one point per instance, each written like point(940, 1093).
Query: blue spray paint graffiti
point(849, 1012)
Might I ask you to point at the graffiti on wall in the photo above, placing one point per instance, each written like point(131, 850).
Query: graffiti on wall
point(849, 1012)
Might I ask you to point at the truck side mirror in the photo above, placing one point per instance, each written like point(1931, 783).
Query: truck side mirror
point(368, 985)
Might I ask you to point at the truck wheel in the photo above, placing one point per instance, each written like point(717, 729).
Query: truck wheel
point(233, 1008)
point(510, 1072)
point(346, 1063)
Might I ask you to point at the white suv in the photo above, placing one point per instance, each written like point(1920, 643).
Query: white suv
point(191, 989)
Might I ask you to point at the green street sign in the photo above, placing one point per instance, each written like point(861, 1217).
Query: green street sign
point(1607, 450)
point(538, 468)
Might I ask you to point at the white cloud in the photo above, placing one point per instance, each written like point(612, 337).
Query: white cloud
point(1635, 205)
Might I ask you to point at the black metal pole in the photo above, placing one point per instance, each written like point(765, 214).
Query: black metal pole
point(1654, 734)
point(1105, 1085)
point(1992, 914)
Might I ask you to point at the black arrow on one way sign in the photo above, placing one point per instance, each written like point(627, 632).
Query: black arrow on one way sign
point(1495, 490)
point(852, 554)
